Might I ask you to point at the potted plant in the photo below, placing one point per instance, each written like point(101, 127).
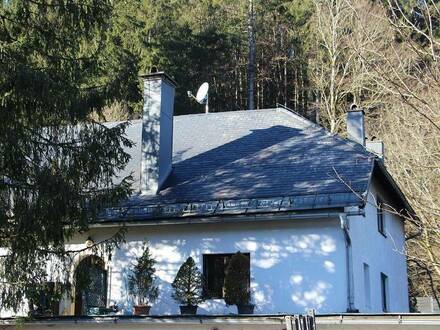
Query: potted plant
point(188, 286)
point(141, 283)
point(237, 286)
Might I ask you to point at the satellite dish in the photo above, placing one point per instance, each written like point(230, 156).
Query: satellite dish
point(202, 95)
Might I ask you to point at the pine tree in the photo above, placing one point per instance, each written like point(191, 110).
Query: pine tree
point(188, 284)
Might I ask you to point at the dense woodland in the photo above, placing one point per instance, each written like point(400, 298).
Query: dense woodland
point(68, 61)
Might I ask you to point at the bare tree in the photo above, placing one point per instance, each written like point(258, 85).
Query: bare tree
point(332, 62)
point(406, 73)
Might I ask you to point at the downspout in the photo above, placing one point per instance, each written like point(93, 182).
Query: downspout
point(348, 263)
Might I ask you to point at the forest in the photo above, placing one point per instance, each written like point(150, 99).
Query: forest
point(314, 56)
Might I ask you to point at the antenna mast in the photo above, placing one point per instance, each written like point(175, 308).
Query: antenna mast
point(207, 104)
point(251, 55)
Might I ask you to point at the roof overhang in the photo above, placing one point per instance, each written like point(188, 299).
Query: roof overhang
point(135, 210)
point(306, 215)
point(398, 199)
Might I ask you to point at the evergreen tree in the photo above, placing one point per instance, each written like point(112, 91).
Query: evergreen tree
point(237, 290)
point(188, 284)
point(58, 64)
point(141, 282)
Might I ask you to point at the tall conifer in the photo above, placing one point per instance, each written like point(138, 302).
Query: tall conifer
point(58, 64)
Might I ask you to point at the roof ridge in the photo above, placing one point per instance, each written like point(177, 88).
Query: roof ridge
point(226, 112)
point(356, 146)
point(293, 113)
point(285, 110)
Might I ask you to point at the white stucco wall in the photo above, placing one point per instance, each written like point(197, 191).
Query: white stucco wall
point(382, 254)
point(295, 265)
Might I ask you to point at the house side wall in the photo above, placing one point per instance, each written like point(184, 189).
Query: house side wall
point(381, 254)
point(295, 265)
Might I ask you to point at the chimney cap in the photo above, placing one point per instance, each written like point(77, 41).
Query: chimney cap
point(159, 74)
point(354, 108)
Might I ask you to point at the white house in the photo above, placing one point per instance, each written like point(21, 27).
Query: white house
point(299, 200)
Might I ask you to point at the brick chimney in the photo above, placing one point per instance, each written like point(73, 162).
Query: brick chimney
point(157, 131)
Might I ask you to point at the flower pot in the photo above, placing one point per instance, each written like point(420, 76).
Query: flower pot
point(245, 309)
point(141, 309)
point(188, 310)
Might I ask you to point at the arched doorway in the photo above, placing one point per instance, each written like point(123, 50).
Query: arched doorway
point(90, 286)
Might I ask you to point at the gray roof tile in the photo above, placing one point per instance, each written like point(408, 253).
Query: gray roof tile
point(255, 154)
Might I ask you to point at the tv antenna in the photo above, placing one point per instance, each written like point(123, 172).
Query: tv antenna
point(202, 96)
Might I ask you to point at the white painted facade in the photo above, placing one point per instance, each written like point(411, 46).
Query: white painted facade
point(381, 254)
point(296, 264)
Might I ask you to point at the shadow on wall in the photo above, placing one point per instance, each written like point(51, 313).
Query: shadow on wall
point(289, 273)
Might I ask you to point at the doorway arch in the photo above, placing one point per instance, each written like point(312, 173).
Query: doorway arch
point(90, 286)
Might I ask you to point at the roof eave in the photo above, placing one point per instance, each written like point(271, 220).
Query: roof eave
point(380, 167)
point(226, 218)
point(228, 207)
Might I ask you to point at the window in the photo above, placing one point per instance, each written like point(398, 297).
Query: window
point(384, 289)
point(214, 267)
point(380, 217)
point(90, 286)
point(367, 289)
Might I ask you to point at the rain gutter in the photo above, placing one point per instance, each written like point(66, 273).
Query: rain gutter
point(254, 217)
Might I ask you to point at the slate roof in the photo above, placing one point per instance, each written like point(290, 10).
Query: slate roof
point(229, 161)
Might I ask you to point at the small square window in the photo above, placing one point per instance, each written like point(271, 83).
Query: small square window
point(380, 217)
point(384, 289)
point(214, 268)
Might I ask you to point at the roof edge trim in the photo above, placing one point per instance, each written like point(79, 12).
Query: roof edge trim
point(379, 166)
point(231, 207)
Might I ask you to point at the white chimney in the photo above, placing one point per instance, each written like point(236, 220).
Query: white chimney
point(376, 147)
point(157, 131)
point(356, 125)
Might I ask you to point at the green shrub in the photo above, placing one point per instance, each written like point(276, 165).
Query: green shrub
point(141, 282)
point(237, 290)
point(188, 284)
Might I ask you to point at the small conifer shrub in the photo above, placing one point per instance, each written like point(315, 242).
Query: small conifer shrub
point(188, 284)
point(141, 284)
point(236, 288)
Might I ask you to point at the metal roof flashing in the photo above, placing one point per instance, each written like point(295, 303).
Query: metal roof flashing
point(147, 212)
